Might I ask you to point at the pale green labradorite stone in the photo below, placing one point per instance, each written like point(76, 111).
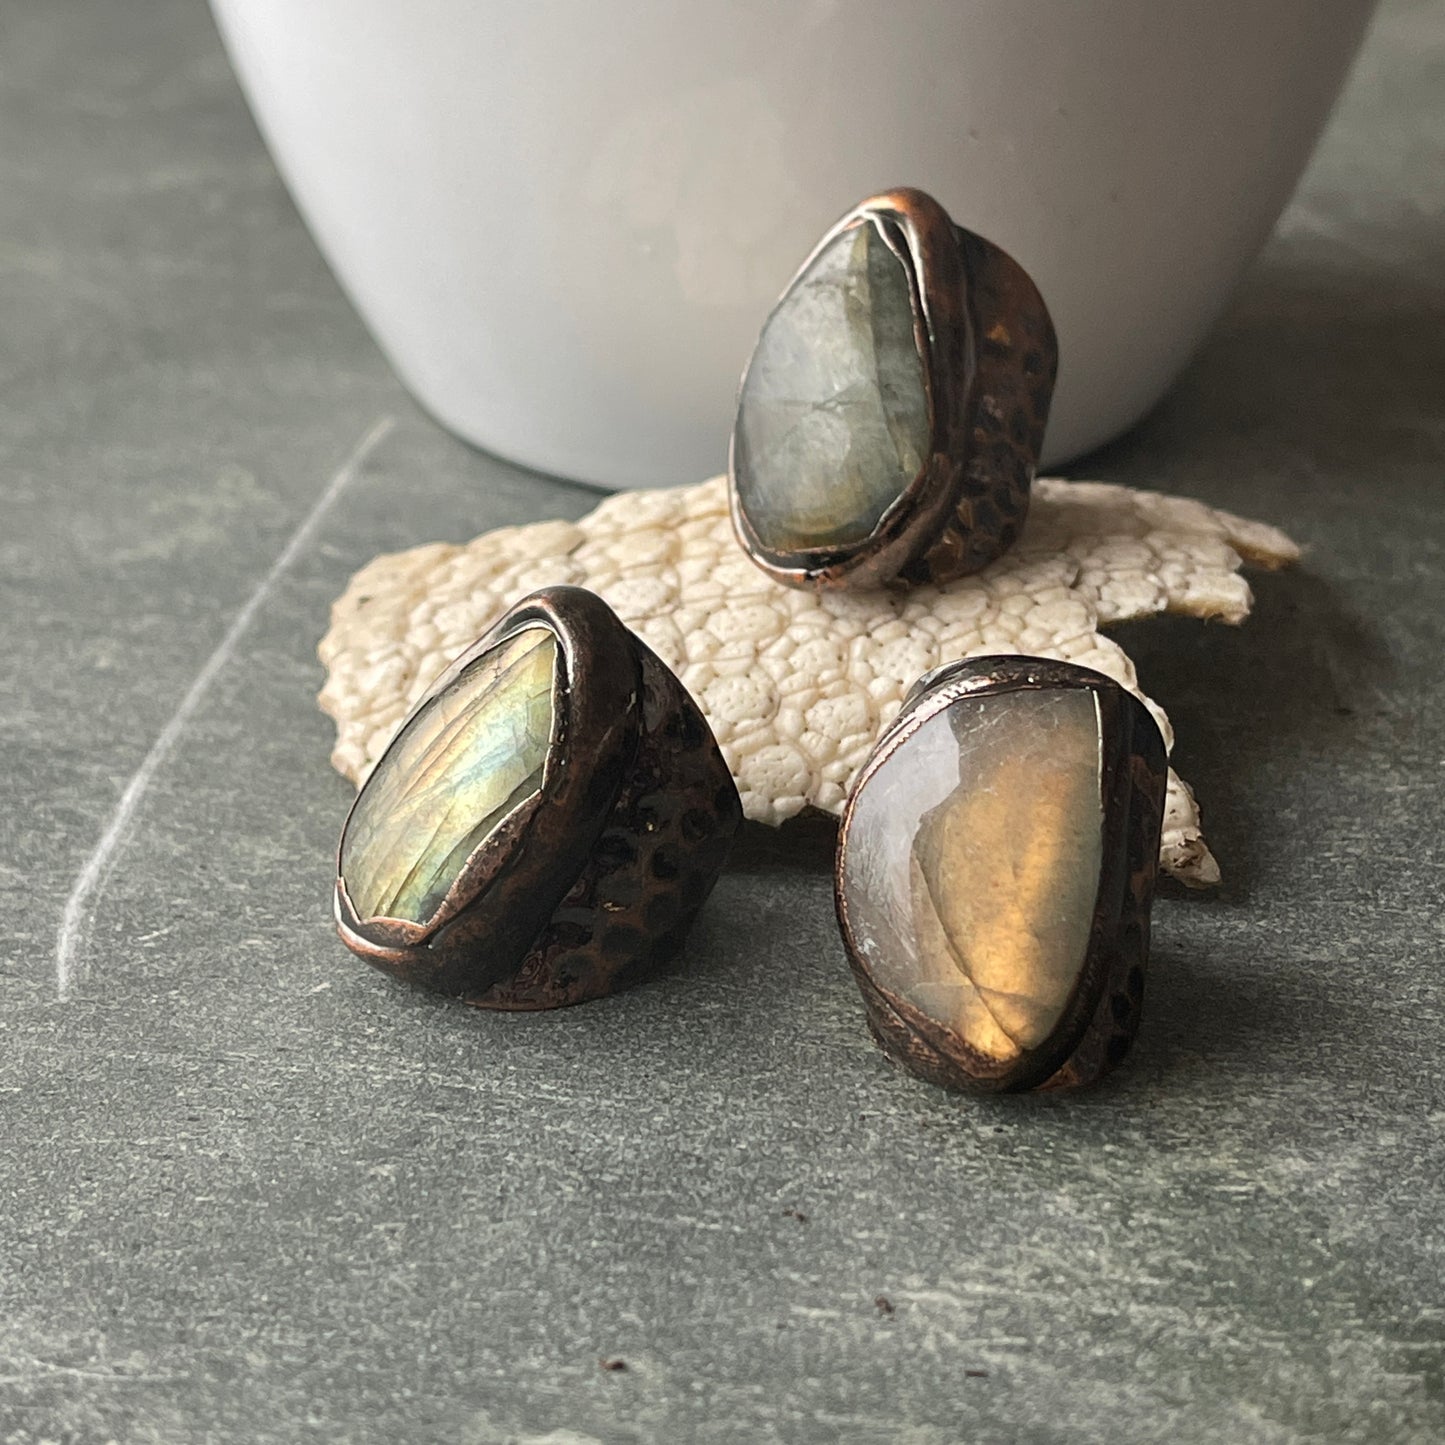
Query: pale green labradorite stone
point(468, 758)
point(973, 863)
point(833, 419)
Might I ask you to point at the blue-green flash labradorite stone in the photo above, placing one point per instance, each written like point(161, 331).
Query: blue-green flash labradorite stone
point(833, 419)
point(464, 762)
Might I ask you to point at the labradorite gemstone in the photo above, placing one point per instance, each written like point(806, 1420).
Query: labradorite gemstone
point(973, 865)
point(833, 419)
point(464, 761)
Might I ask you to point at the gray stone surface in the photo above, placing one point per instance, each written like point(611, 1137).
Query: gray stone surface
point(254, 1192)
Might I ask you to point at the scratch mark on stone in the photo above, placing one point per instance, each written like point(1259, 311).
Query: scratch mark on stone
point(73, 922)
point(107, 1377)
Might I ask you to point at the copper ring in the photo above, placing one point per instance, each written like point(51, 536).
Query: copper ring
point(988, 357)
point(1099, 1014)
point(592, 883)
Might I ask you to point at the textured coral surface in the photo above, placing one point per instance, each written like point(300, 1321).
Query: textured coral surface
point(798, 685)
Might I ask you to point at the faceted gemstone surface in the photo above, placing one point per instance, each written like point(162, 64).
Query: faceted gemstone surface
point(459, 767)
point(973, 865)
point(833, 419)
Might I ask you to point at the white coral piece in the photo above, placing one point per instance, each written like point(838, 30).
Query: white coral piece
point(797, 685)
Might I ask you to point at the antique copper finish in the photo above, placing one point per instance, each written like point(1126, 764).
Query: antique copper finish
point(593, 883)
point(989, 361)
point(1100, 1021)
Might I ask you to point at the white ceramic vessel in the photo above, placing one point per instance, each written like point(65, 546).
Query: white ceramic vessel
point(564, 220)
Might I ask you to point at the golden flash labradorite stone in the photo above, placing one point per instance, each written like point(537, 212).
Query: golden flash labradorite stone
point(995, 869)
point(463, 763)
point(890, 417)
point(545, 826)
point(975, 863)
